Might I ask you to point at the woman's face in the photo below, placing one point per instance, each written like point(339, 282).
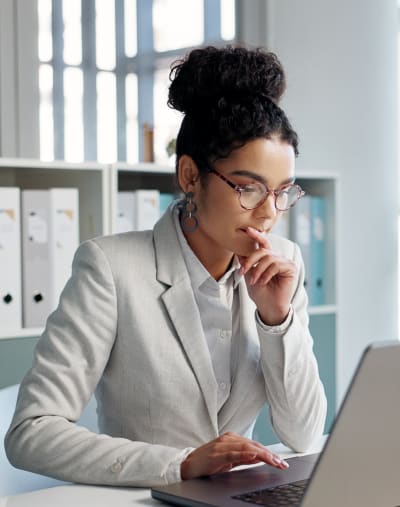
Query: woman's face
point(222, 221)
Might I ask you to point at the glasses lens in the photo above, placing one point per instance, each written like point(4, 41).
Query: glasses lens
point(287, 197)
point(251, 195)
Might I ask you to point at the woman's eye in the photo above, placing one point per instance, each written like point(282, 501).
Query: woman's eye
point(249, 188)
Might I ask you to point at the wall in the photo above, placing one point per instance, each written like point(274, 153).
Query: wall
point(341, 63)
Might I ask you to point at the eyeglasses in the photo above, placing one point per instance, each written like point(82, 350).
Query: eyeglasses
point(253, 195)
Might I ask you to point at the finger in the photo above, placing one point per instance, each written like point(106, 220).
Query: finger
point(255, 453)
point(261, 268)
point(232, 443)
point(259, 237)
point(254, 258)
point(267, 275)
point(272, 458)
point(228, 458)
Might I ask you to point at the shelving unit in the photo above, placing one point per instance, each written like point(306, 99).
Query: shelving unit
point(91, 179)
point(98, 187)
point(324, 318)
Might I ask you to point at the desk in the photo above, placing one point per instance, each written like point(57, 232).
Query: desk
point(76, 495)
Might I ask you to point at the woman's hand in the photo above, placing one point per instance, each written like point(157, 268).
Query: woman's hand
point(225, 452)
point(271, 280)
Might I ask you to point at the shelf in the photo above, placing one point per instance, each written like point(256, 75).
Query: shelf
point(21, 333)
point(322, 310)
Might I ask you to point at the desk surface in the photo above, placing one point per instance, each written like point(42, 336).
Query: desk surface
point(76, 495)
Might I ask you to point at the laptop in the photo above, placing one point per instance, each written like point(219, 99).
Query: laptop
point(358, 466)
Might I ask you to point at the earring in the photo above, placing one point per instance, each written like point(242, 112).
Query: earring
point(189, 220)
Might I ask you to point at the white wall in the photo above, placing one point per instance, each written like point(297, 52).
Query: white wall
point(341, 63)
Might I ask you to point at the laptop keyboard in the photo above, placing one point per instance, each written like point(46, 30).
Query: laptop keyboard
point(288, 495)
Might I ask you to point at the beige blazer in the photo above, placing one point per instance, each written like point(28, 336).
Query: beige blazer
point(127, 327)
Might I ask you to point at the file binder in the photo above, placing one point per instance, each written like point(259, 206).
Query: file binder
point(137, 210)
point(147, 209)
point(301, 233)
point(50, 232)
point(64, 237)
point(10, 260)
point(125, 212)
point(165, 201)
point(317, 269)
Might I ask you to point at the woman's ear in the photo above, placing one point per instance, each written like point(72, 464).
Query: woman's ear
point(188, 174)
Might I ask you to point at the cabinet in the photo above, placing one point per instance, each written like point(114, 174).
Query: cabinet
point(98, 186)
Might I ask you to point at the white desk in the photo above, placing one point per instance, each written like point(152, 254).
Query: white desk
point(74, 495)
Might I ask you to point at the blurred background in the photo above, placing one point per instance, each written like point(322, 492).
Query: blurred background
point(83, 90)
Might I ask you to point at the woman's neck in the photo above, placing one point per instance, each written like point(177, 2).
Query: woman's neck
point(216, 260)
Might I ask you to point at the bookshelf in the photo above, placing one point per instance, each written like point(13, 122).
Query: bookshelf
point(91, 180)
point(98, 186)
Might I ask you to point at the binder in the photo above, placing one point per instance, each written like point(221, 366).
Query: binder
point(50, 232)
point(301, 233)
point(35, 258)
point(64, 237)
point(125, 212)
point(147, 209)
point(10, 260)
point(317, 269)
point(165, 201)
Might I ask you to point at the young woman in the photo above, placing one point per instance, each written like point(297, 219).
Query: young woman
point(186, 331)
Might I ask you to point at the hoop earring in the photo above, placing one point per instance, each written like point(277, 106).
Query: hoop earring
point(189, 220)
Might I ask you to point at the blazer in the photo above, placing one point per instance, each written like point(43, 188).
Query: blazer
point(127, 328)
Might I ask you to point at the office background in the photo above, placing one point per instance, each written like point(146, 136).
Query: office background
point(341, 63)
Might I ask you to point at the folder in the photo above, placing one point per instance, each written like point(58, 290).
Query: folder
point(10, 260)
point(138, 210)
point(301, 233)
point(64, 237)
point(317, 269)
point(165, 201)
point(125, 212)
point(35, 258)
point(147, 209)
point(50, 236)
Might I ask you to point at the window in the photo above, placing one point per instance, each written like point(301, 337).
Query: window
point(104, 67)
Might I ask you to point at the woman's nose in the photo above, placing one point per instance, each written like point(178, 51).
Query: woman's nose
point(268, 208)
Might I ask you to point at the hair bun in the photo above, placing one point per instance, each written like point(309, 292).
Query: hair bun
point(213, 77)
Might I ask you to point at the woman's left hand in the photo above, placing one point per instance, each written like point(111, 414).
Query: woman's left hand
point(270, 278)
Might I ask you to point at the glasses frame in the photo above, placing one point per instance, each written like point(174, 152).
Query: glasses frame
point(239, 190)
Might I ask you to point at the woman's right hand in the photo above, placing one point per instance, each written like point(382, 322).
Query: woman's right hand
point(225, 452)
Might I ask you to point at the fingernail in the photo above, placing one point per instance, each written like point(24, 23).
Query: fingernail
point(279, 461)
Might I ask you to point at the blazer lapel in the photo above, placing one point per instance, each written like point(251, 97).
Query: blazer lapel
point(182, 309)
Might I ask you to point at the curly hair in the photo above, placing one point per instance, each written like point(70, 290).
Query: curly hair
point(229, 96)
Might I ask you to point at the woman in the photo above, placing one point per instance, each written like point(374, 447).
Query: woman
point(184, 332)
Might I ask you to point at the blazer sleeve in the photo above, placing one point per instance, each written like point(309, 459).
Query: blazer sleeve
point(294, 390)
point(69, 360)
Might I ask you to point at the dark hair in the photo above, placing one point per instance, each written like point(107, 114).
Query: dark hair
point(229, 96)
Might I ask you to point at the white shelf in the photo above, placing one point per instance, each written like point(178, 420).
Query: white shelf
point(143, 167)
point(21, 333)
point(322, 310)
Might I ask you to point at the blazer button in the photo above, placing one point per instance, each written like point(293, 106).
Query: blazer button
point(116, 467)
